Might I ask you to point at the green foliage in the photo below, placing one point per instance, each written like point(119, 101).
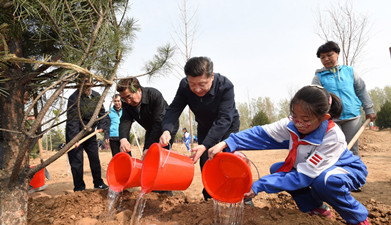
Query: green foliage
point(244, 115)
point(260, 119)
point(383, 119)
point(131, 138)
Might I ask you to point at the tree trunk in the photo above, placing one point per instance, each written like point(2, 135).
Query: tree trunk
point(13, 183)
point(13, 204)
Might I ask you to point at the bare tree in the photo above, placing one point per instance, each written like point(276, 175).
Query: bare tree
point(343, 25)
point(45, 47)
point(185, 35)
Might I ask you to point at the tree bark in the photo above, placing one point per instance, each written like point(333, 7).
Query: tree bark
point(13, 204)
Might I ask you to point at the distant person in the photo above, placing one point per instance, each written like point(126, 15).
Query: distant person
point(348, 86)
point(211, 98)
point(88, 101)
point(101, 144)
point(319, 168)
point(115, 115)
point(187, 138)
point(145, 105)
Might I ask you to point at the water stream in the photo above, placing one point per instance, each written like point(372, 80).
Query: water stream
point(228, 213)
point(112, 198)
point(138, 209)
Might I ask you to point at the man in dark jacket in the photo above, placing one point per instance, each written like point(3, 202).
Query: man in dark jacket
point(88, 102)
point(145, 105)
point(211, 98)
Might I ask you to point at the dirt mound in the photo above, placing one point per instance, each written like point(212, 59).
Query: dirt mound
point(375, 141)
point(90, 207)
point(58, 204)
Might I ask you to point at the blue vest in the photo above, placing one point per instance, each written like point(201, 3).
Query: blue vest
point(114, 122)
point(341, 83)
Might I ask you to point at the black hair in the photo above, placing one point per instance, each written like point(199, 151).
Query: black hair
point(315, 99)
point(328, 47)
point(131, 83)
point(116, 96)
point(198, 66)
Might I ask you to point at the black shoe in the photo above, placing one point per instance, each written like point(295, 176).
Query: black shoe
point(103, 186)
point(357, 190)
point(249, 202)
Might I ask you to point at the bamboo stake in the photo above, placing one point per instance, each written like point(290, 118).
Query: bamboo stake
point(138, 145)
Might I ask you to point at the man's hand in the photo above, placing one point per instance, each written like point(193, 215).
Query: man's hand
point(198, 151)
point(219, 147)
point(124, 145)
point(165, 138)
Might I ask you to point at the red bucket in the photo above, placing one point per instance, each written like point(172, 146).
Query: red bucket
point(164, 170)
point(123, 172)
point(38, 179)
point(227, 177)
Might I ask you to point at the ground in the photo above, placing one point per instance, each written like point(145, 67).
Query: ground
point(58, 204)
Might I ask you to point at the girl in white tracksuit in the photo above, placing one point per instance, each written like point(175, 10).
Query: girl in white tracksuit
point(319, 167)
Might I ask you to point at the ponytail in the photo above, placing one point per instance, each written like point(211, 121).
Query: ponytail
point(335, 107)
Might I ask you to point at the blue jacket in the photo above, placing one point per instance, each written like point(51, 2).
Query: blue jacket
point(114, 122)
point(342, 81)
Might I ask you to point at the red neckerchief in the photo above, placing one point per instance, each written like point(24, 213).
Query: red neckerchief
point(291, 158)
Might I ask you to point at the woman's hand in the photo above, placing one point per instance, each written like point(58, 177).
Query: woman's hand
point(371, 116)
point(219, 147)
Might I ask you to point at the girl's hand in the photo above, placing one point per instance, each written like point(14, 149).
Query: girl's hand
point(198, 151)
point(250, 194)
point(219, 147)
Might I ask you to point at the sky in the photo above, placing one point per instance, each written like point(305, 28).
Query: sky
point(266, 48)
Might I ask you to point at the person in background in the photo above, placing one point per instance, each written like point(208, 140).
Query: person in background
point(145, 105)
point(115, 115)
point(348, 86)
point(211, 98)
point(88, 102)
point(319, 168)
point(187, 138)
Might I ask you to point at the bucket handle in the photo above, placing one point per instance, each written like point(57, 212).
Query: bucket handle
point(256, 168)
point(169, 148)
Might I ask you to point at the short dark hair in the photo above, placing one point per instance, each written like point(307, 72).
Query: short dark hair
point(328, 47)
point(131, 83)
point(116, 96)
point(198, 66)
point(317, 101)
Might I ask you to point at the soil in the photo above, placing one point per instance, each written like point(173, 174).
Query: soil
point(58, 204)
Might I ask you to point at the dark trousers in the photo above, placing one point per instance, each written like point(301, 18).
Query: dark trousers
point(75, 156)
point(114, 146)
